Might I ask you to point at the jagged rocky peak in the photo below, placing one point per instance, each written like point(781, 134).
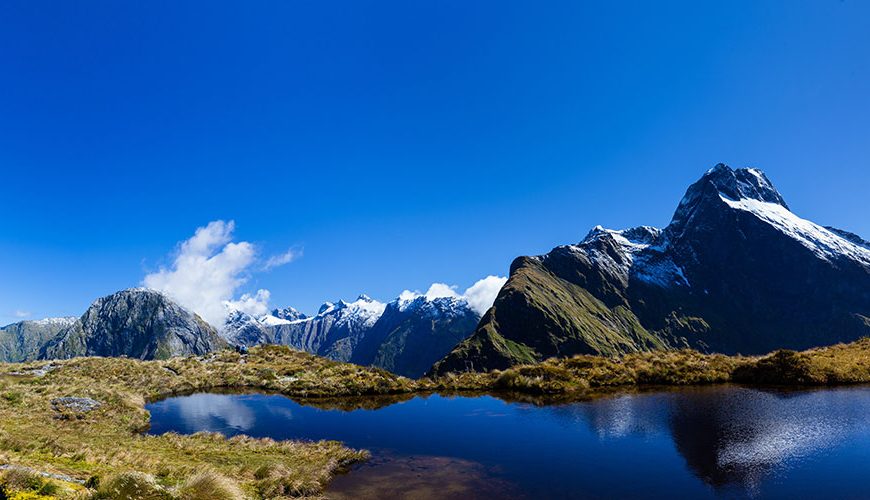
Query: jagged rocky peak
point(430, 306)
point(742, 183)
point(448, 306)
point(288, 314)
point(364, 305)
point(240, 328)
point(646, 235)
point(634, 238)
point(364, 310)
point(722, 183)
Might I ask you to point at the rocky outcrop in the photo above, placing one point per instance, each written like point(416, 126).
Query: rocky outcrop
point(137, 323)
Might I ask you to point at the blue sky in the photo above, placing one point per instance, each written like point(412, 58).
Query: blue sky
point(401, 143)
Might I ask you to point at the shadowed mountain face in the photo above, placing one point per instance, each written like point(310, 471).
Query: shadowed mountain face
point(137, 323)
point(735, 272)
point(21, 341)
point(410, 336)
point(404, 336)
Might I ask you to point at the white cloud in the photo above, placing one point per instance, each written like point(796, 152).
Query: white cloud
point(479, 296)
point(255, 305)
point(482, 294)
point(285, 258)
point(437, 290)
point(22, 314)
point(207, 271)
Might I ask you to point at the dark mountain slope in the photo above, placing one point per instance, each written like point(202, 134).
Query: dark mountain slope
point(734, 271)
point(411, 335)
point(21, 341)
point(405, 336)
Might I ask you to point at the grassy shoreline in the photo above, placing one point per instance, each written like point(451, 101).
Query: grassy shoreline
point(105, 449)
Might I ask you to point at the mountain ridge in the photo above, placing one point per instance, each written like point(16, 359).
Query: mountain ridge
point(734, 271)
point(404, 336)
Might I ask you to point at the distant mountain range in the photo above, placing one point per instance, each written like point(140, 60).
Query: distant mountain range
point(404, 336)
point(734, 272)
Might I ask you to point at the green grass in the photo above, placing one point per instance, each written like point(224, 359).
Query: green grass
point(106, 450)
point(106, 445)
point(580, 375)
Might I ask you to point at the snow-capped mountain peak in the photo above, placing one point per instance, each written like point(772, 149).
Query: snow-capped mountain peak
point(651, 255)
point(287, 313)
point(742, 183)
point(364, 311)
point(413, 301)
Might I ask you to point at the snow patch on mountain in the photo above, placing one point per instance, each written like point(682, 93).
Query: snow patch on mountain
point(824, 243)
point(62, 321)
point(364, 311)
point(270, 320)
point(644, 252)
point(639, 252)
point(479, 296)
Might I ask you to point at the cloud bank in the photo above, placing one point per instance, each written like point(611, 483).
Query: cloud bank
point(208, 270)
point(480, 296)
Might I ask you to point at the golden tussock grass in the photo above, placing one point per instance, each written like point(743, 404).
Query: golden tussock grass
point(106, 450)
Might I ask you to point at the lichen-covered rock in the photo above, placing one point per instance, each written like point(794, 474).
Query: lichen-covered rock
point(37, 372)
point(75, 404)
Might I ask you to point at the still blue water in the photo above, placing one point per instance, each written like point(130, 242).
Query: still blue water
point(690, 443)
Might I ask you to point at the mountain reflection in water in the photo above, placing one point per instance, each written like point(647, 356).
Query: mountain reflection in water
point(696, 442)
